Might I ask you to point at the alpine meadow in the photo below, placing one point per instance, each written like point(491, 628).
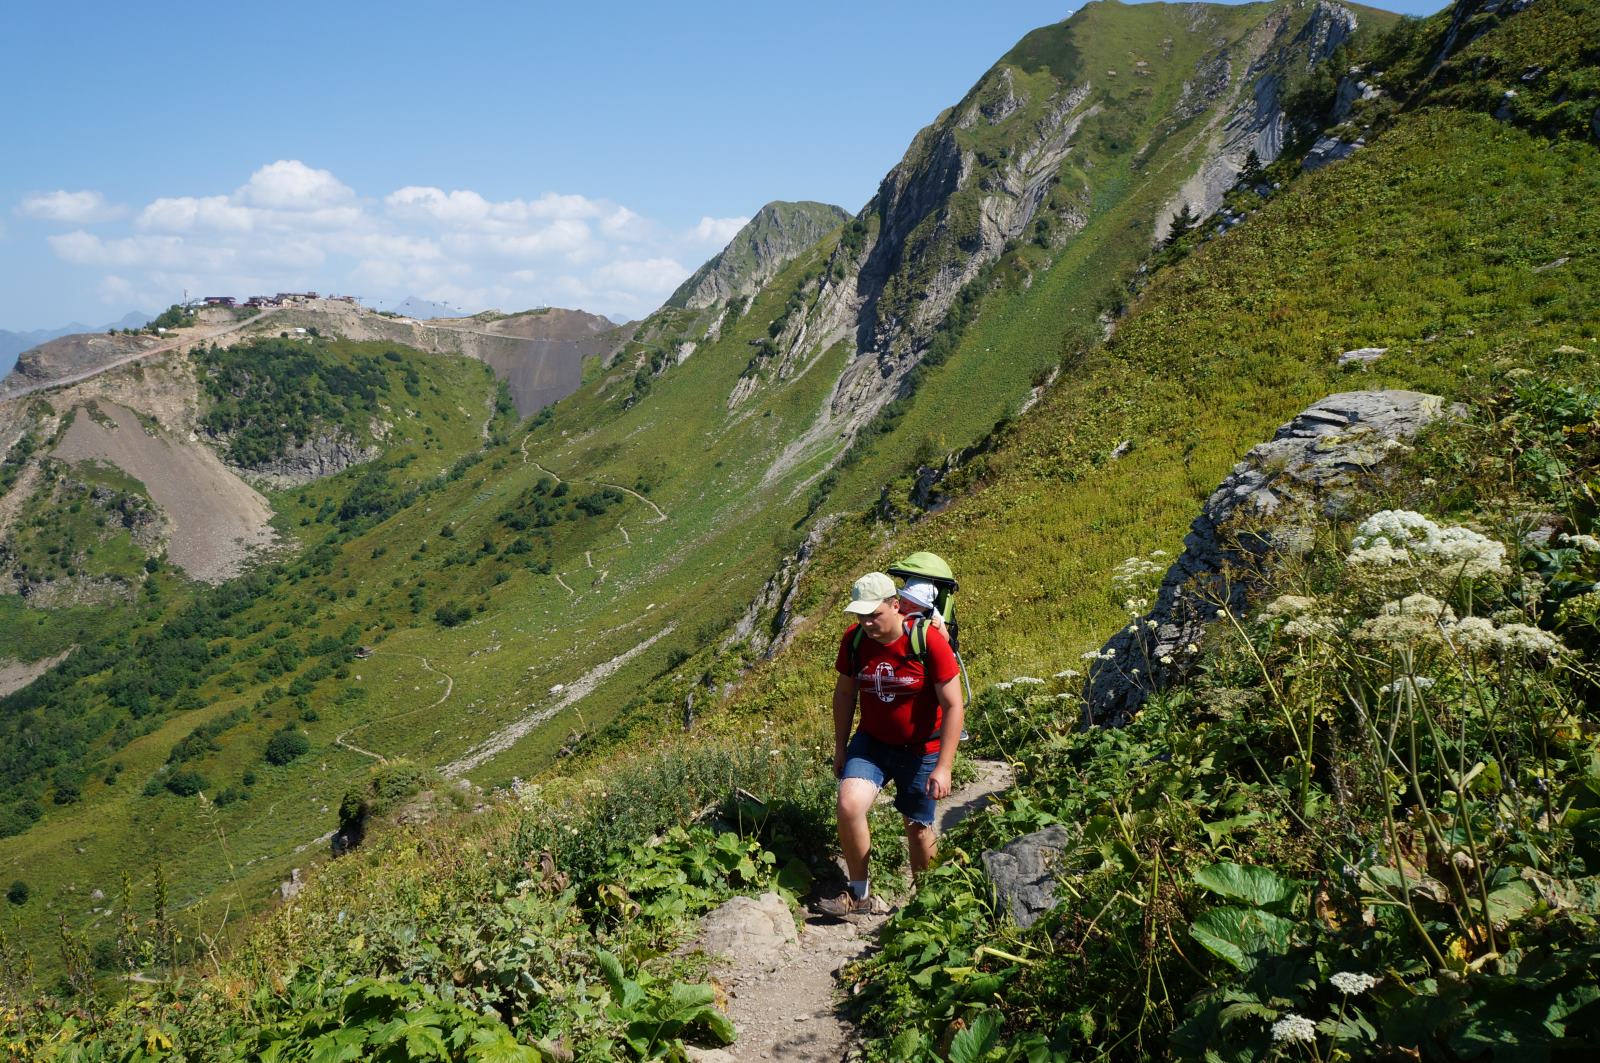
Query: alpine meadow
point(387, 688)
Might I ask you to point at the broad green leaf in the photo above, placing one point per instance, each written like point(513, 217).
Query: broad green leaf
point(1260, 886)
point(1238, 935)
point(795, 876)
point(498, 1046)
point(908, 1044)
point(1511, 901)
point(972, 1044)
point(611, 969)
point(1224, 827)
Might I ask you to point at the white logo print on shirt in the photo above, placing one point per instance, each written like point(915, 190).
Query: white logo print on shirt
point(882, 682)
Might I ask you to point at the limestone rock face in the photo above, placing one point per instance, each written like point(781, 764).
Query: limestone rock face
point(1247, 82)
point(1316, 465)
point(1024, 873)
point(1352, 89)
point(1330, 149)
point(750, 930)
point(313, 459)
point(767, 243)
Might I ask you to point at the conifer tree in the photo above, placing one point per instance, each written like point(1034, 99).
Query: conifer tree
point(1181, 224)
point(1253, 171)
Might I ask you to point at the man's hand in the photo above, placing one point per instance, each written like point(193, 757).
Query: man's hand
point(938, 785)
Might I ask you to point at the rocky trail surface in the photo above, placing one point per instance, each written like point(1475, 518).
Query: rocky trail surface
point(782, 980)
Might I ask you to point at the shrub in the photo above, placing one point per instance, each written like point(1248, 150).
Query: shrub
point(285, 746)
point(186, 783)
point(19, 893)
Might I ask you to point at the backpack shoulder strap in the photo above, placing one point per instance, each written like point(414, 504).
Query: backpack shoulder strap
point(855, 650)
point(917, 636)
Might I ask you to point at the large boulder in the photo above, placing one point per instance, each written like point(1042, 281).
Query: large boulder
point(750, 931)
point(1024, 873)
point(1316, 466)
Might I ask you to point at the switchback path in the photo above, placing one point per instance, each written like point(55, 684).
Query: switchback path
point(660, 515)
point(790, 1012)
point(449, 688)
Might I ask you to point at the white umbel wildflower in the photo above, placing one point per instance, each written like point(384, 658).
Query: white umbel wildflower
point(1294, 1029)
point(1351, 983)
point(1399, 536)
point(1477, 634)
point(1582, 542)
point(1414, 618)
point(1415, 683)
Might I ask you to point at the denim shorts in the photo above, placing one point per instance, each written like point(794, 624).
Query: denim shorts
point(878, 762)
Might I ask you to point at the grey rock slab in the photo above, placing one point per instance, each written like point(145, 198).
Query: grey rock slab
point(1316, 466)
point(1329, 149)
point(1362, 355)
point(1024, 873)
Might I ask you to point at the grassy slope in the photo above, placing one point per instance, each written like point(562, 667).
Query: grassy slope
point(115, 827)
point(1427, 243)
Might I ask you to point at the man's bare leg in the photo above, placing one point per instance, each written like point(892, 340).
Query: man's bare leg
point(855, 839)
point(922, 842)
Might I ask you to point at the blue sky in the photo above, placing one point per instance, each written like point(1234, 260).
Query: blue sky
point(477, 153)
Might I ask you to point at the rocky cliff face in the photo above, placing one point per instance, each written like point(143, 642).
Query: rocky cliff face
point(1119, 109)
point(327, 454)
point(1247, 80)
point(770, 240)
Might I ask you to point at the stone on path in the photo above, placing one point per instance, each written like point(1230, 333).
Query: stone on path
point(753, 931)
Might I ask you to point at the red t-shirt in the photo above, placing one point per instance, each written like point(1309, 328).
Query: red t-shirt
point(898, 703)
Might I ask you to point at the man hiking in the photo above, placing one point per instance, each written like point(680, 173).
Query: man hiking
point(907, 683)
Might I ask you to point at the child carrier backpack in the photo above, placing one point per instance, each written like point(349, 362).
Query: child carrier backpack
point(931, 568)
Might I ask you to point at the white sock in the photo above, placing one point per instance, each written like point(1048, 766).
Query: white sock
point(859, 888)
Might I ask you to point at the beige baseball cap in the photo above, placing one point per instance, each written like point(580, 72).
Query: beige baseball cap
point(869, 592)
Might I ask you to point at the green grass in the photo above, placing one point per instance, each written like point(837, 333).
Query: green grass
point(1429, 242)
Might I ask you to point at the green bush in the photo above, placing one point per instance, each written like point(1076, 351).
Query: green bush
point(186, 783)
point(19, 893)
point(286, 746)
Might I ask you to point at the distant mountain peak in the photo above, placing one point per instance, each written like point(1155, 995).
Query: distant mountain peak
point(775, 236)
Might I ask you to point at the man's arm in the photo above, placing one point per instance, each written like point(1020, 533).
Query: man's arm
point(955, 716)
point(844, 714)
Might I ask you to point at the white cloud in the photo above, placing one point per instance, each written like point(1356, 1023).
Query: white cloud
point(73, 208)
point(645, 275)
point(290, 184)
point(292, 226)
point(87, 249)
point(185, 213)
point(718, 230)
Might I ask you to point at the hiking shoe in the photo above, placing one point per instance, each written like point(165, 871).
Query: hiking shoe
point(845, 905)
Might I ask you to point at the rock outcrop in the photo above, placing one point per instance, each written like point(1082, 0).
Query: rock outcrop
point(772, 239)
point(1024, 872)
point(1253, 118)
point(327, 454)
point(1317, 465)
point(754, 930)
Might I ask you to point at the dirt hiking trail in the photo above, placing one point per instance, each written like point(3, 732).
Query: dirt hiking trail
point(788, 1010)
